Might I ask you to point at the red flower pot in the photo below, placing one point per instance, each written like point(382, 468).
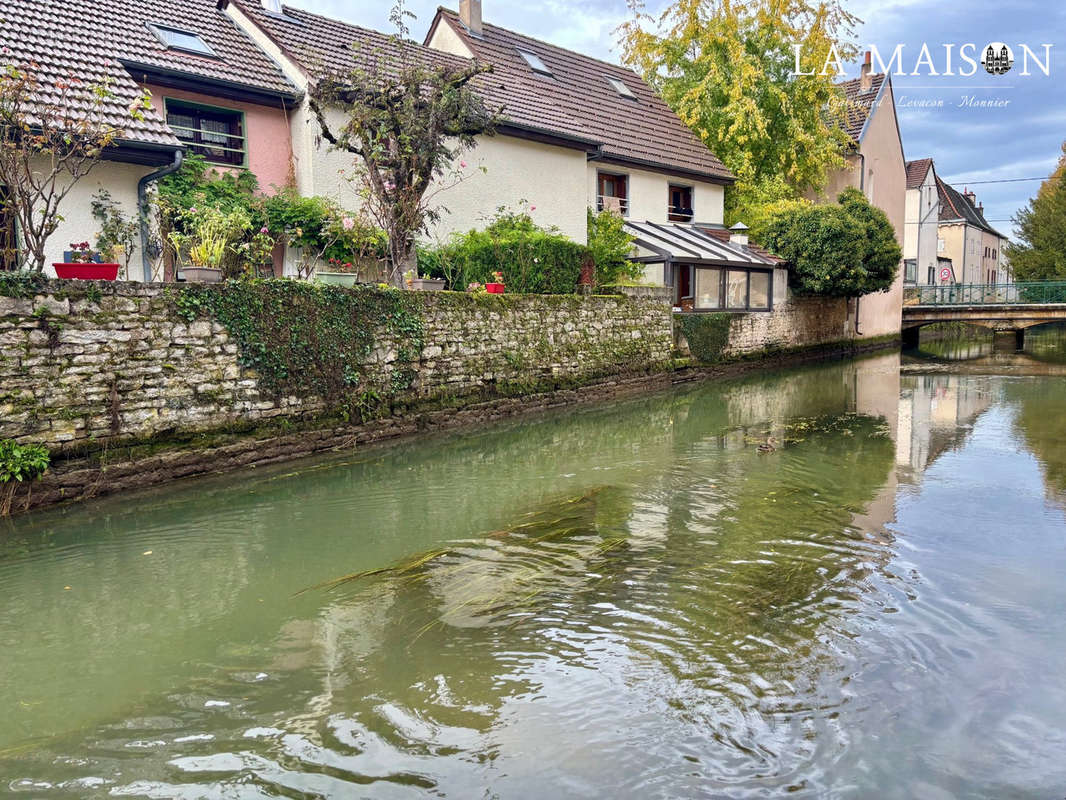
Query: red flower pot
point(87, 272)
point(494, 288)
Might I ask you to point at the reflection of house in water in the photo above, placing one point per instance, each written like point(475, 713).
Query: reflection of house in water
point(936, 413)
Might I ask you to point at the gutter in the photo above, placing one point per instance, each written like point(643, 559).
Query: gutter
point(142, 207)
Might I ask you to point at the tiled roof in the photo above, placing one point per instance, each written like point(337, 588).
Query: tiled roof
point(916, 172)
point(578, 100)
point(322, 46)
point(92, 39)
point(859, 103)
point(33, 33)
point(954, 206)
point(578, 103)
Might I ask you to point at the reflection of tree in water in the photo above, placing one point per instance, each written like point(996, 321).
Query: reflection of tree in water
point(1042, 425)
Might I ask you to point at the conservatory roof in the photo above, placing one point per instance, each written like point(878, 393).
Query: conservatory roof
point(675, 241)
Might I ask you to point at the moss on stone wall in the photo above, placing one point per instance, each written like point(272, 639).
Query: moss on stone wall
point(305, 339)
point(707, 335)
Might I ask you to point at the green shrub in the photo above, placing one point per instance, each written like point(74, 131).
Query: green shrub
point(532, 259)
point(842, 250)
point(22, 462)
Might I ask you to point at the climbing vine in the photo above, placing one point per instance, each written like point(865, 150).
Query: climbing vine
point(320, 340)
point(707, 334)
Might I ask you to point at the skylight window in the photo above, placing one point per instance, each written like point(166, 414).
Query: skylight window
point(186, 41)
point(621, 88)
point(534, 62)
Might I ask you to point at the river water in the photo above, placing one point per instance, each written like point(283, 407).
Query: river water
point(623, 601)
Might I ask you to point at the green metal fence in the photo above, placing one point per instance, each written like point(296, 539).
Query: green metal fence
point(987, 294)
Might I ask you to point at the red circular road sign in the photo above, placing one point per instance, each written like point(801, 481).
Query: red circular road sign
point(945, 274)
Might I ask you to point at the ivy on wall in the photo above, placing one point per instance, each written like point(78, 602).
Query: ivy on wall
point(707, 334)
point(310, 339)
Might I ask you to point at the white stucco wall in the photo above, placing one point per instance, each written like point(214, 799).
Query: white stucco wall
point(79, 225)
point(649, 194)
point(499, 171)
point(445, 38)
point(550, 179)
point(920, 228)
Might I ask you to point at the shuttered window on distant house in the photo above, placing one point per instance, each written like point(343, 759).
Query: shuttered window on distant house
point(217, 134)
point(8, 237)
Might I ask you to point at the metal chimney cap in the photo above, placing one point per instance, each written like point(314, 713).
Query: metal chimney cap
point(740, 226)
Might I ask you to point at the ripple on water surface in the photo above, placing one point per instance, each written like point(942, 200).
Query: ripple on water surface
point(501, 611)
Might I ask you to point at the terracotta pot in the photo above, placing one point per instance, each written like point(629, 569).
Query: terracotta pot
point(494, 288)
point(347, 279)
point(202, 274)
point(86, 272)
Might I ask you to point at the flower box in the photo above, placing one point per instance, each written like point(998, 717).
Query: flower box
point(202, 274)
point(428, 284)
point(346, 279)
point(494, 288)
point(86, 271)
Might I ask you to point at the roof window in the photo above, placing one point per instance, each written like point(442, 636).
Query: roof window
point(621, 88)
point(185, 41)
point(534, 62)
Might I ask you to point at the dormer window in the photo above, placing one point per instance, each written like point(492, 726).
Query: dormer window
point(620, 87)
point(185, 41)
point(535, 63)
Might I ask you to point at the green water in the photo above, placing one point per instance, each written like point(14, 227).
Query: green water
point(626, 601)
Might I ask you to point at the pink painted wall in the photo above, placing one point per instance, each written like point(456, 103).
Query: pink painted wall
point(266, 129)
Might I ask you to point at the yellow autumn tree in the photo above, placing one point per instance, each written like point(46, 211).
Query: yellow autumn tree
point(726, 68)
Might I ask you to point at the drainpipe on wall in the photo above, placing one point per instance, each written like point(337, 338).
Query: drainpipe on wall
point(862, 189)
point(142, 207)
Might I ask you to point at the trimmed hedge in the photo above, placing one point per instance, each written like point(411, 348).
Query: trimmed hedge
point(536, 262)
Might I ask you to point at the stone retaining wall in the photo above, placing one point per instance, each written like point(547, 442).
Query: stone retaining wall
point(128, 391)
point(84, 365)
point(798, 322)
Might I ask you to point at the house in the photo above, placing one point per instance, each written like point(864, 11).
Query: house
point(575, 133)
point(229, 80)
point(877, 168)
point(922, 263)
point(974, 247)
point(213, 92)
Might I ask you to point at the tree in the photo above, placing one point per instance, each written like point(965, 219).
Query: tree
point(51, 136)
point(843, 250)
point(1040, 252)
point(611, 246)
point(407, 118)
point(725, 67)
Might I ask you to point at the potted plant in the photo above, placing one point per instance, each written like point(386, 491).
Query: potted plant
point(495, 286)
point(210, 235)
point(84, 263)
point(340, 273)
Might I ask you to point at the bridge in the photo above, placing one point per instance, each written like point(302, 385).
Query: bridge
point(1001, 307)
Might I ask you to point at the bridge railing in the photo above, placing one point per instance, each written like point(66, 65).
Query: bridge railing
point(986, 294)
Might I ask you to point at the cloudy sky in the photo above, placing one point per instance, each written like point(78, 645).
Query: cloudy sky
point(1019, 139)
